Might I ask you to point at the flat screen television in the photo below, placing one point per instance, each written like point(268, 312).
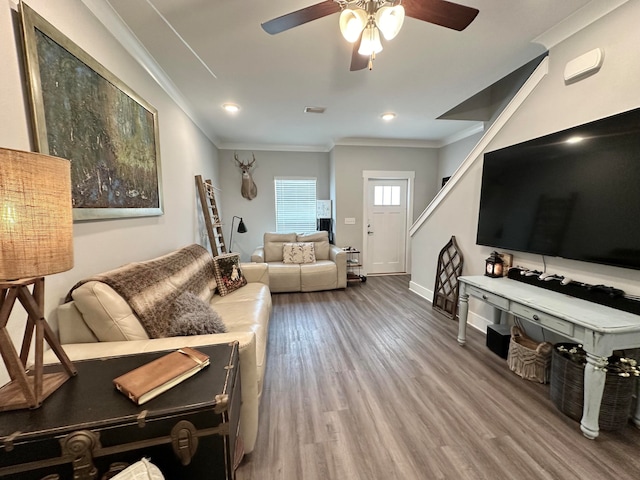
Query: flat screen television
point(573, 194)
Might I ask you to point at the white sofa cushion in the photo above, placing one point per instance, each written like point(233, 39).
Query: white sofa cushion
point(284, 277)
point(107, 314)
point(322, 275)
point(320, 241)
point(273, 243)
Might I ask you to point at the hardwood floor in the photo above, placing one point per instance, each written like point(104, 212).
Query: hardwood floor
point(369, 383)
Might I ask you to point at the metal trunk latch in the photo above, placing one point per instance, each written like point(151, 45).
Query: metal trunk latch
point(184, 441)
point(80, 446)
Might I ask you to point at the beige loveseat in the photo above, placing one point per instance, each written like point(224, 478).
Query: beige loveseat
point(98, 322)
point(327, 272)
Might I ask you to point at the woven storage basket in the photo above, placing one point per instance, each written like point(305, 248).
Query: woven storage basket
point(567, 392)
point(528, 358)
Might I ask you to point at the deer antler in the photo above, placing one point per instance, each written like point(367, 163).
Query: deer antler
point(235, 155)
point(252, 161)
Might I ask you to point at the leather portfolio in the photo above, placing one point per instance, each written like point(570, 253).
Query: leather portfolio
point(151, 379)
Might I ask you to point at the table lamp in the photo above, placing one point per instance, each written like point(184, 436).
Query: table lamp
point(36, 239)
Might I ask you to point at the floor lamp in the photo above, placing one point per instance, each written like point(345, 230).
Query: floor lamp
point(36, 239)
point(241, 229)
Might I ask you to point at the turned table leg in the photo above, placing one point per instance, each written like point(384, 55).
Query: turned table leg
point(462, 315)
point(594, 378)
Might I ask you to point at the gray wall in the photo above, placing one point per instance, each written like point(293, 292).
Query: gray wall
point(185, 152)
point(350, 162)
point(259, 214)
point(339, 175)
point(552, 106)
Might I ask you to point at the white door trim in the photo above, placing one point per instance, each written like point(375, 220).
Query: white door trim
point(367, 175)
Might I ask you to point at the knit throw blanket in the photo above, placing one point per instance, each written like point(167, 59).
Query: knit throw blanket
point(151, 287)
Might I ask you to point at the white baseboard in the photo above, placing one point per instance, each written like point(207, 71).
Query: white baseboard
point(420, 290)
point(476, 321)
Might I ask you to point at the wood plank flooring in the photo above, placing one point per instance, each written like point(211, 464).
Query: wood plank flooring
point(369, 383)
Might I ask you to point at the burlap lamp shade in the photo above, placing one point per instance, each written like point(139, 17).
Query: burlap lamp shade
point(36, 222)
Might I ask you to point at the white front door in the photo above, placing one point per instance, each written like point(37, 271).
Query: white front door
point(386, 226)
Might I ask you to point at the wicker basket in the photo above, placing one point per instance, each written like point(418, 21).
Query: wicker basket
point(528, 358)
point(567, 392)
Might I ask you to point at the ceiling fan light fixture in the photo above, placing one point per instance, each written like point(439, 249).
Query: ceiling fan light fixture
point(370, 41)
point(389, 20)
point(352, 22)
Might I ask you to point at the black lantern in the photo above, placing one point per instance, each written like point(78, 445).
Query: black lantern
point(494, 266)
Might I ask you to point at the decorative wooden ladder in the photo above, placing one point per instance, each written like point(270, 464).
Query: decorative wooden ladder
point(211, 215)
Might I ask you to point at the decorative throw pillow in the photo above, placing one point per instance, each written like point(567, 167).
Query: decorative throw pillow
point(228, 274)
point(192, 316)
point(299, 252)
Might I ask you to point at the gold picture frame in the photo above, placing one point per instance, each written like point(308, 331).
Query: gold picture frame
point(84, 113)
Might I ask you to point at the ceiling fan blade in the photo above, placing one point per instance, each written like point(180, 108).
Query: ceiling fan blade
point(299, 17)
point(443, 13)
point(358, 62)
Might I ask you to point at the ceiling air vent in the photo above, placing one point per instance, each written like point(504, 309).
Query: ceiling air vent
point(314, 109)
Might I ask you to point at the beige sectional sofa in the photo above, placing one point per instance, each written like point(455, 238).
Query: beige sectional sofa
point(327, 272)
point(98, 322)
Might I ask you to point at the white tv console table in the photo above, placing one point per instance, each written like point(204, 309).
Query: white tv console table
point(600, 329)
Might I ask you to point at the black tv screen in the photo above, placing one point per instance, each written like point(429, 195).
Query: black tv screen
point(573, 194)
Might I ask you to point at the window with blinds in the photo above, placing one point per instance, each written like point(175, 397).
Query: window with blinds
point(295, 204)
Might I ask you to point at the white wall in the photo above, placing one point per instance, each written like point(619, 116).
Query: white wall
point(259, 214)
point(184, 150)
point(551, 107)
point(350, 162)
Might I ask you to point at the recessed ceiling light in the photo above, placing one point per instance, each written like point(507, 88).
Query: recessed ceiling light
point(388, 116)
point(575, 139)
point(231, 107)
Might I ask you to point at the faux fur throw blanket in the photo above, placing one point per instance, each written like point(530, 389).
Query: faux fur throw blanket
point(151, 287)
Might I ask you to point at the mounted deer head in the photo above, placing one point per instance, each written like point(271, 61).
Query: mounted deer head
point(248, 188)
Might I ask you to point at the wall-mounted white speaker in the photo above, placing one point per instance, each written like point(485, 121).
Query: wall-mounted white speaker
point(583, 65)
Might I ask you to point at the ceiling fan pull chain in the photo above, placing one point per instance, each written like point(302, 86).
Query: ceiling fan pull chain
point(371, 59)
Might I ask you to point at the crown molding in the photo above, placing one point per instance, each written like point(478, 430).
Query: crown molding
point(577, 21)
point(386, 142)
point(265, 147)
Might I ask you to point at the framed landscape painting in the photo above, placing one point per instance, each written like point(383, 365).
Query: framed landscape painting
point(84, 113)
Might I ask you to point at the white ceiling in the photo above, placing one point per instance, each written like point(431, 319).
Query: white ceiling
point(215, 51)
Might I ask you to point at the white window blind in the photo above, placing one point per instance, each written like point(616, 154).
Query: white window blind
point(295, 204)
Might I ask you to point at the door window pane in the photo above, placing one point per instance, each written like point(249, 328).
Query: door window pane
point(386, 195)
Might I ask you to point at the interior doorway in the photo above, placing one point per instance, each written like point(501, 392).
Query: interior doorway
point(388, 203)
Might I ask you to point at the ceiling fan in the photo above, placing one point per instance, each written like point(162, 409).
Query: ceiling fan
point(361, 21)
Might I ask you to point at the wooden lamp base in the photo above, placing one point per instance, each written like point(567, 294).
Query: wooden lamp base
point(29, 387)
